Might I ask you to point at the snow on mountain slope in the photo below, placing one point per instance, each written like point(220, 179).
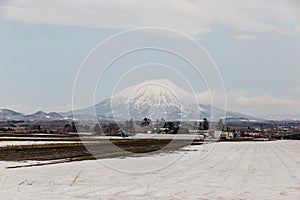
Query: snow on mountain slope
point(6, 114)
point(40, 115)
point(155, 99)
point(156, 87)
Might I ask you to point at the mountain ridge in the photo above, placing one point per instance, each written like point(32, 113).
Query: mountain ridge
point(7, 115)
point(155, 99)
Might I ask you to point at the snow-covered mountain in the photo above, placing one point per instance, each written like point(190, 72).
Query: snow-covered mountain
point(40, 115)
point(155, 99)
point(6, 115)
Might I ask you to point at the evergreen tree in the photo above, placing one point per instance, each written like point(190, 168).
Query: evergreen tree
point(73, 128)
point(97, 129)
point(220, 125)
point(146, 122)
point(205, 124)
point(200, 127)
point(67, 128)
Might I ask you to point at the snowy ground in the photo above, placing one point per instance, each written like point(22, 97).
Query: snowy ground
point(17, 143)
point(245, 170)
point(169, 136)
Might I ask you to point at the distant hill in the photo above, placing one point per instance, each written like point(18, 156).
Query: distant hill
point(40, 115)
point(7, 115)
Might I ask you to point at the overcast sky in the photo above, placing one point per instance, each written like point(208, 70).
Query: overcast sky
point(255, 44)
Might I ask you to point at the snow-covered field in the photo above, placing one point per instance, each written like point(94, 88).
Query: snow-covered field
point(16, 143)
point(246, 170)
point(169, 136)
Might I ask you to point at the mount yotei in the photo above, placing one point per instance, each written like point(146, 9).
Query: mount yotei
point(155, 99)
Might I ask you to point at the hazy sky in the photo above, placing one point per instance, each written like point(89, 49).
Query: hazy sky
point(255, 44)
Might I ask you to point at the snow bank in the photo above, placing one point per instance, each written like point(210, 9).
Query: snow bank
point(248, 170)
point(168, 136)
point(16, 143)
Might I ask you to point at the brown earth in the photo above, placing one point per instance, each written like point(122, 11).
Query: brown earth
point(90, 150)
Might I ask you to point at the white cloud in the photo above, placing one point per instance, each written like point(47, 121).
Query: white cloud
point(245, 37)
point(296, 90)
point(193, 18)
point(263, 105)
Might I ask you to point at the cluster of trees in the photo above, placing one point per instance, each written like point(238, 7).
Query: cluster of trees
point(113, 128)
point(202, 125)
point(110, 128)
point(129, 126)
point(2, 129)
point(146, 122)
point(169, 128)
point(70, 128)
point(97, 129)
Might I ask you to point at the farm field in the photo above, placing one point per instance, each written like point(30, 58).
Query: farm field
point(230, 170)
